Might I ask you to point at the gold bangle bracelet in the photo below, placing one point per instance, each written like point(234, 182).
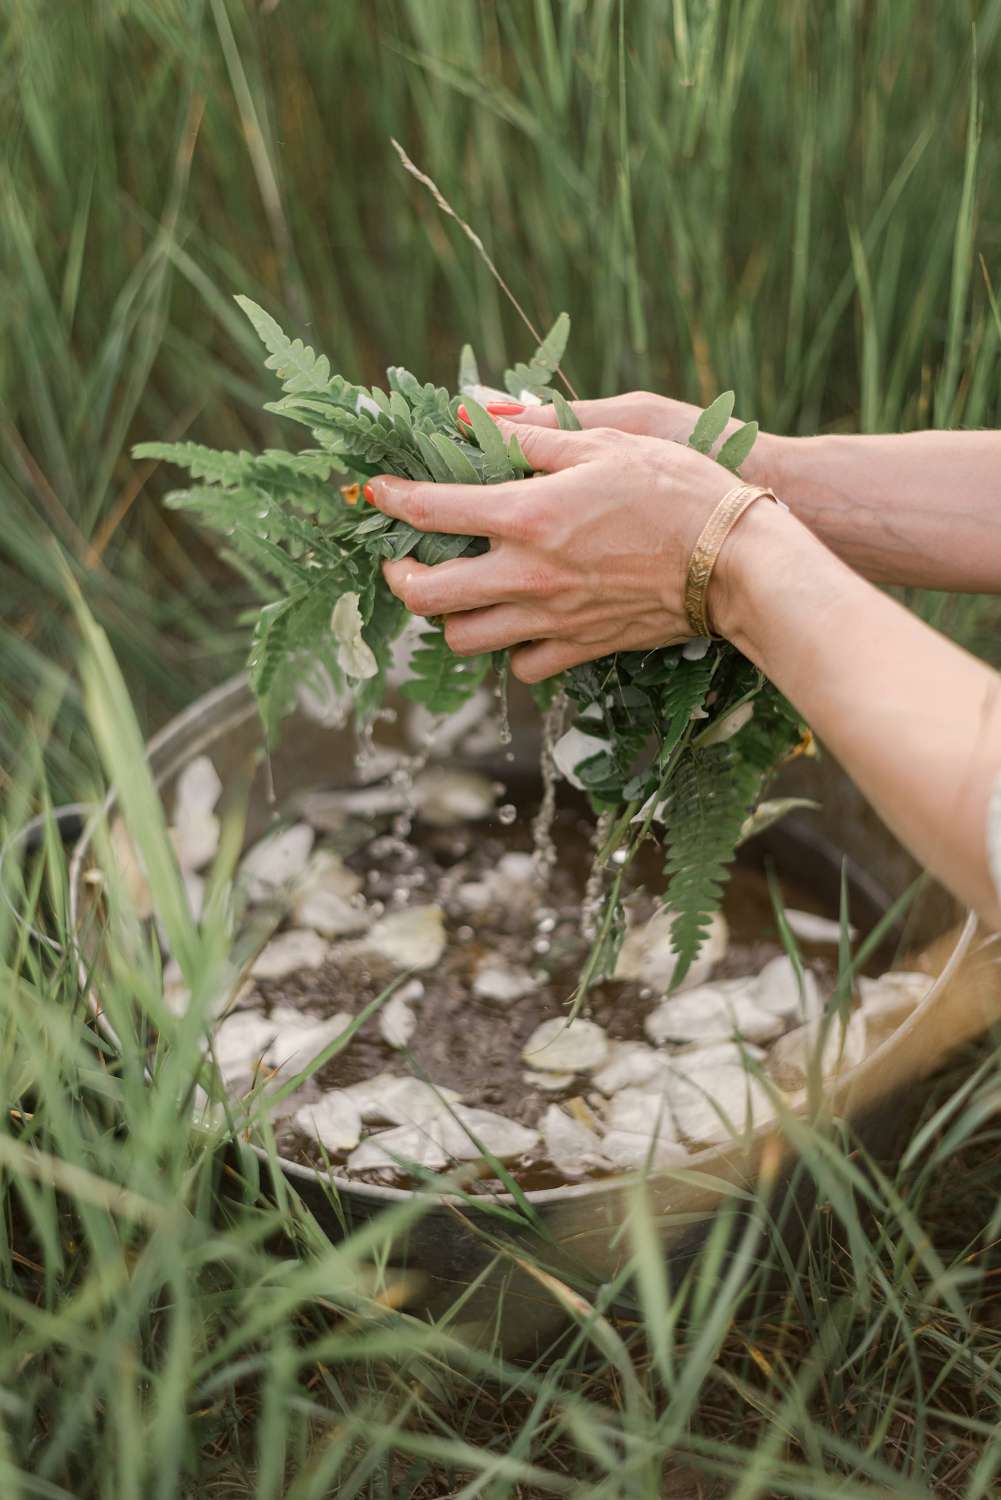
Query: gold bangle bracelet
point(707, 549)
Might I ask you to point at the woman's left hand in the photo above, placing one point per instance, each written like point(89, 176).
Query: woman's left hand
point(587, 558)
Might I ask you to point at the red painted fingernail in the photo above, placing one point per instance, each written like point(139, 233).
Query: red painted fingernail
point(463, 416)
point(369, 493)
point(505, 408)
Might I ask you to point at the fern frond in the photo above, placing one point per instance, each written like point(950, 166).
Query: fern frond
point(711, 793)
point(442, 681)
point(538, 374)
point(298, 367)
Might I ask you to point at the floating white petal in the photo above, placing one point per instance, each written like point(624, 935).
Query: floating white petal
point(276, 861)
point(647, 957)
point(334, 1120)
point(571, 1147)
point(712, 1012)
point(413, 939)
point(502, 982)
point(778, 989)
point(563, 1046)
point(288, 953)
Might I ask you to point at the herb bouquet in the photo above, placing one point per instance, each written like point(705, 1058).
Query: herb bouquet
point(682, 739)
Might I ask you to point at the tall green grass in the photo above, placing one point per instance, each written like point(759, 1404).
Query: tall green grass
point(797, 200)
point(793, 200)
point(174, 1321)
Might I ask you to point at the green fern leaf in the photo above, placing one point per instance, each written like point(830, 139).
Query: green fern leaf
point(295, 363)
point(738, 447)
point(711, 794)
point(442, 681)
point(537, 375)
point(711, 423)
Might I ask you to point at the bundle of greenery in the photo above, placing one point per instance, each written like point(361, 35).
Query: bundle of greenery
point(676, 743)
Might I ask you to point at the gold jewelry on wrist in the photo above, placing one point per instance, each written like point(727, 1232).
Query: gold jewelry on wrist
point(707, 549)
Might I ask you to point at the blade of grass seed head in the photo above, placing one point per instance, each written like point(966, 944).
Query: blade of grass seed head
point(475, 241)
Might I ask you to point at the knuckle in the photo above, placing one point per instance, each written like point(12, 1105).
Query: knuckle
point(457, 637)
point(526, 521)
point(420, 509)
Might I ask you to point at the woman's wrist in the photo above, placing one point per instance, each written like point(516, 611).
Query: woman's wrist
point(769, 559)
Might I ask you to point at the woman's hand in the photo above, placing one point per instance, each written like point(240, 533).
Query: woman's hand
point(639, 412)
point(917, 509)
point(588, 558)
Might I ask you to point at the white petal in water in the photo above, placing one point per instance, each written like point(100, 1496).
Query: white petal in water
point(549, 1083)
point(444, 798)
point(563, 1046)
point(811, 928)
point(716, 1054)
point(718, 1103)
point(647, 957)
point(276, 861)
point(467, 1130)
point(333, 1120)
point(712, 1012)
point(331, 914)
point(240, 1042)
point(778, 990)
point(574, 747)
point(354, 655)
point(828, 1043)
point(300, 1036)
point(571, 1147)
point(438, 1142)
point(401, 1100)
point(631, 1065)
point(396, 1149)
point(413, 939)
point(288, 953)
point(644, 1111)
point(397, 1022)
point(639, 1130)
point(502, 982)
point(629, 1150)
point(198, 788)
point(327, 898)
point(195, 829)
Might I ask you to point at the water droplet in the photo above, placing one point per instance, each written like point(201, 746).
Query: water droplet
point(507, 814)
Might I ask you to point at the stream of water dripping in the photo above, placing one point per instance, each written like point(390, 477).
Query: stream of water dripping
point(543, 845)
point(594, 891)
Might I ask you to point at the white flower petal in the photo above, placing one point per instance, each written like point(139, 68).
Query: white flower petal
point(354, 655)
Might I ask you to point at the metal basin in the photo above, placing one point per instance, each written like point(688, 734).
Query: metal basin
point(582, 1222)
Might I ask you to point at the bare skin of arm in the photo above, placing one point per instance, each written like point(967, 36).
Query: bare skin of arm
point(920, 508)
point(591, 558)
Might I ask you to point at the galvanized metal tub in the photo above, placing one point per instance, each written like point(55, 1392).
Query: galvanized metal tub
point(445, 1250)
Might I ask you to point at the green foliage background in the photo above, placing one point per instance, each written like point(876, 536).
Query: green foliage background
point(786, 198)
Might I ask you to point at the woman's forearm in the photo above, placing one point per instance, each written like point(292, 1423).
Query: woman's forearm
point(914, 720)
point(922, 509)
